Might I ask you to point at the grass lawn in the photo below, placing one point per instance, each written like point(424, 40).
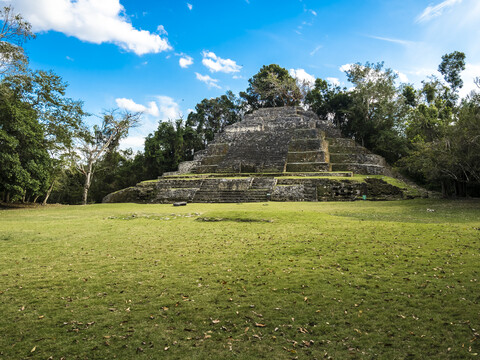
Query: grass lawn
point(361, 280)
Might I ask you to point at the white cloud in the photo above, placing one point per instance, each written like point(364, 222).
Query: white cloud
point(92, 21)
point(161, 30)
point(345, 67)
point(208, 80)
point(185, 61)
point(314, 13)
point(431, 12)
point(190, 6)
point(136, 143)
point(401, 76)
point(169, 109)
point(392, 40)
point(164, 108)
point(468, 75)
point(333, 80)
point(130, 105)
point(314, 51)
point(303, 77)
point(217, 64)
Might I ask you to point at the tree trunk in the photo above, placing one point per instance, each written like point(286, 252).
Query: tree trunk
point(86, 186)
point(48, 193)
point(35, 199)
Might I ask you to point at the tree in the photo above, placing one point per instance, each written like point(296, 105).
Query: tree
point(118, 169)
point(329, 102)
point(24, 159)
point(444, 135)
point(376, 112)
point(165, 148)
point(60, 117)
point(211, 116)
point(101, 140)
point(14, 31)
point(272, 86)
point(451, 66)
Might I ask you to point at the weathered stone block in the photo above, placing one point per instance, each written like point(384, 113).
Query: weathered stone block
point(307, 156)
point(308, 167)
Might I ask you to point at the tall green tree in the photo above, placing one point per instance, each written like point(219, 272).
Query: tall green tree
point(272, 86)
point(165, 148)
point(211, 116)
point(60, 117)
point(443, 134)
point(14, 31)
point(376, 112)
point(329, 101)
point(118, 169)
point(24, 159)
point(451, 67)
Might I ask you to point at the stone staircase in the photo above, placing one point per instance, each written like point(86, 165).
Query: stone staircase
point(307, 152)
point(219, 190)
point(347, 155)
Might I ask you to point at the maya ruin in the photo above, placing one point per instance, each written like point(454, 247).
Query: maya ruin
point(273, 154)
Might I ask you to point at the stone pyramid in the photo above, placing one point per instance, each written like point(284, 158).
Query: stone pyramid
point(279, 140)
point(274, 154)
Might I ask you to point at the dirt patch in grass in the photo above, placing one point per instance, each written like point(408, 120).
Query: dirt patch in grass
point(234, 219)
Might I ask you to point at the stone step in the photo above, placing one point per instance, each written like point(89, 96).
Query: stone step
point(212, 160)
point(342, 142)
point(308, 167)
point(205, 169)
point(230, 196)
point(178, 183)
point(217, 148)
point(307, 156)
point(361, 169)
point(306, 134)
point(335, 149)
point(305, 145)
point(263, 183)
point(358, 158)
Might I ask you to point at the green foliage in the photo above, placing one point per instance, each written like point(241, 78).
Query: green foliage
point(165, 148)
point(376, 111)
point(451, 66)
point(24, 159)
point(101, 140)
point(210, 117)
point(118, 169)
point(272, 86)
point(14, 31)
point(329, 102)
point(37, 100)
point(444, 136)
point(365, 280)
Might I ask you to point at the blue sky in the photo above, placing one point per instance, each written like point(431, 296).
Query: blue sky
point(163, 57)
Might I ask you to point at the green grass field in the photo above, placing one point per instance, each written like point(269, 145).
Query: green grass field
point(362, 280)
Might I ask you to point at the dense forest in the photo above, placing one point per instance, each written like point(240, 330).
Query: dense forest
point(49, 154)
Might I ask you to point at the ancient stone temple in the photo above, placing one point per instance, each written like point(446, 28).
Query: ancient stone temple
point(277, 154)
